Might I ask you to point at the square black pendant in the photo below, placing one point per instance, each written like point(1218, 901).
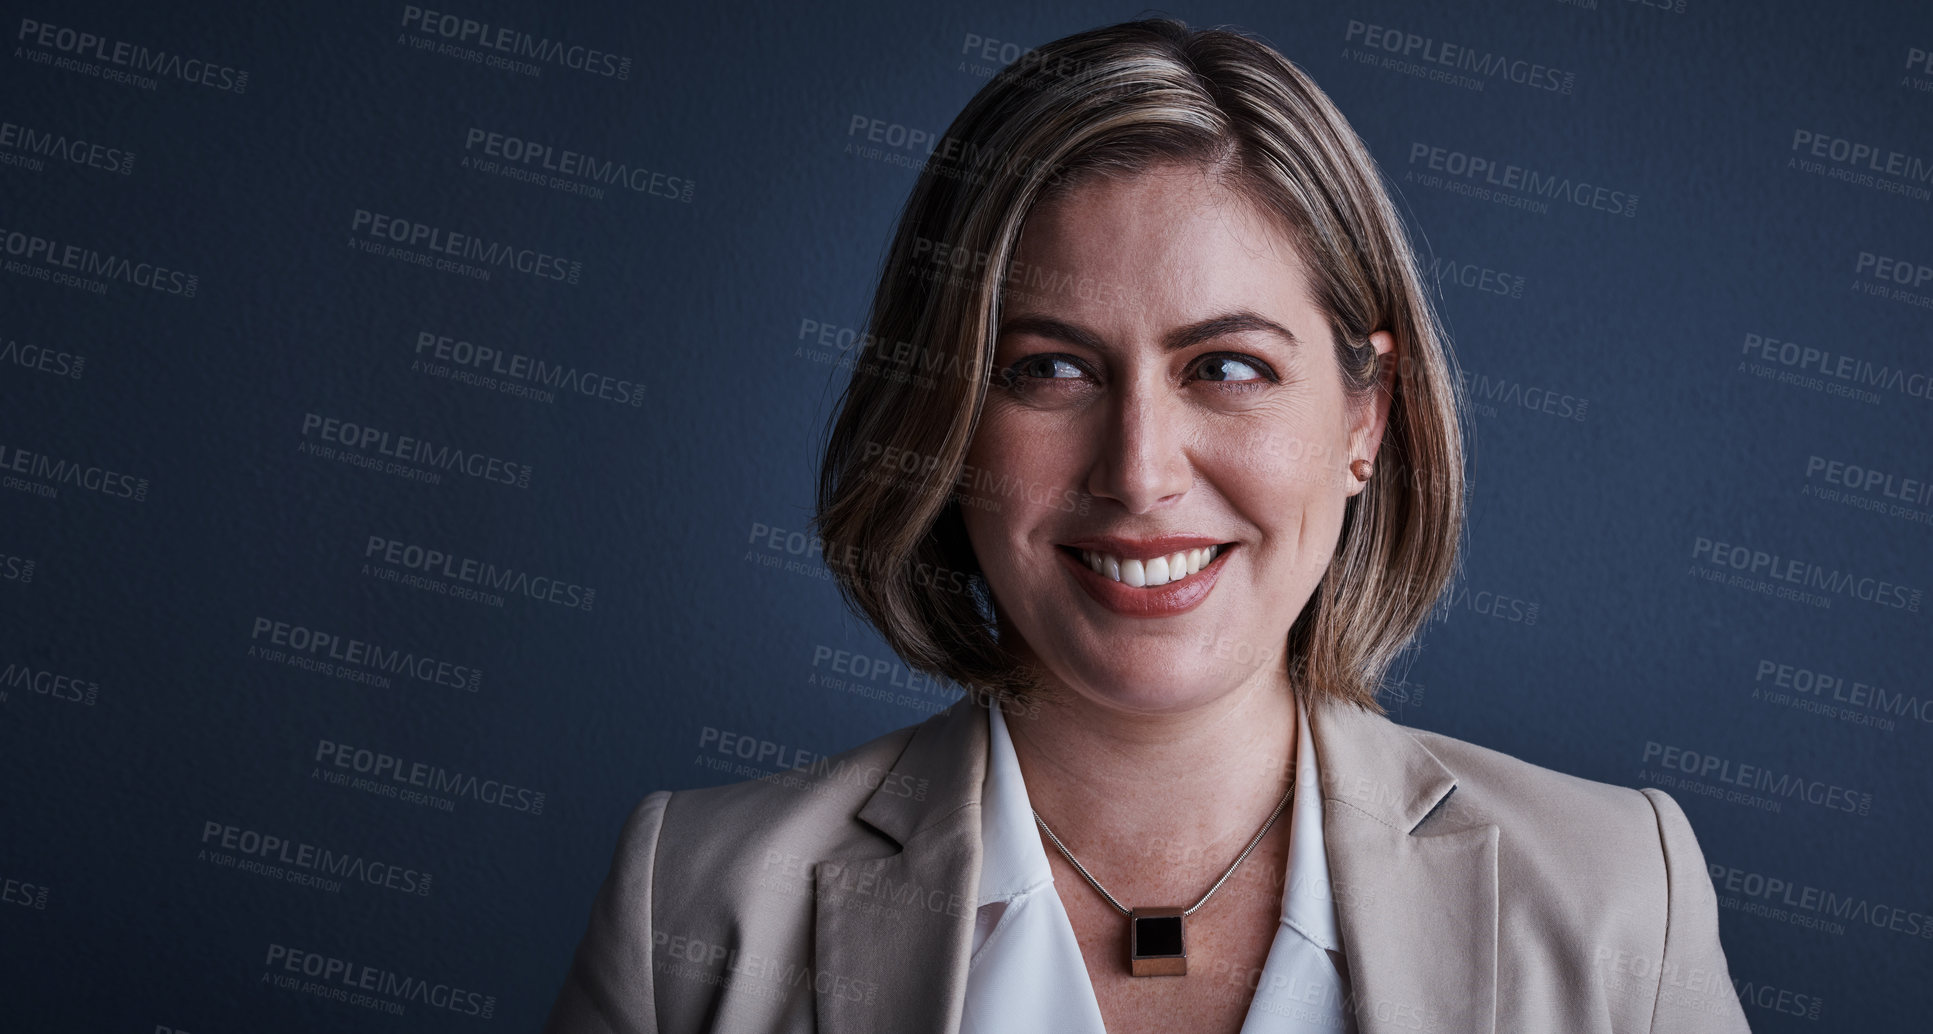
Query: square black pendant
point(1155, 947)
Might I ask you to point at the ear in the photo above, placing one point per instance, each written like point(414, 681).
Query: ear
point(1369, 418)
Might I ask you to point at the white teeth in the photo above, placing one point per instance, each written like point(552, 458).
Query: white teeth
point(1150, 573)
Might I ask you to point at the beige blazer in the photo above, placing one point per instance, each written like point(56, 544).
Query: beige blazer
point(840, 898)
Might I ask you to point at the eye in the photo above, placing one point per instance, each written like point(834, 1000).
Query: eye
point(1232, 368)
point(1043, 367)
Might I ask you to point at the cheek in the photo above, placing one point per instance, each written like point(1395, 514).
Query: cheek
point(1283, 476)
point(1018, 474)
point(1296, 456)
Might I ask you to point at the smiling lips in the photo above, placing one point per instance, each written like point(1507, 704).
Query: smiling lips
point(1151, 573)
point(1147, 578)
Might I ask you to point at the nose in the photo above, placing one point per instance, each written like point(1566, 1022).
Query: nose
point(1141, 462)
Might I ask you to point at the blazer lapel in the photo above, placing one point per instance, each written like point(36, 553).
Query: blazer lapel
point(1415, 878)
point(892, 934)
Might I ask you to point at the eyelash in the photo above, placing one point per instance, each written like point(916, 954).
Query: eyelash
point(1016, 381)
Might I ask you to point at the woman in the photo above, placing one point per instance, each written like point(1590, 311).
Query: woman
point(1201, 471)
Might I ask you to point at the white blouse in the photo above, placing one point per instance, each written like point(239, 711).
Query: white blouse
point(1026, 972)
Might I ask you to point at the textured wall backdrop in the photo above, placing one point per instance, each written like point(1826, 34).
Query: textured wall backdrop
point(407, 423)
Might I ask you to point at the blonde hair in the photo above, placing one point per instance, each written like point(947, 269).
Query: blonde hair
point(1116, 101)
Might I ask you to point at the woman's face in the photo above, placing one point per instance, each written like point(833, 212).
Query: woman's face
point(1163, 385)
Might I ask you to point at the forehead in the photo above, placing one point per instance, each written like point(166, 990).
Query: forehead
point(1159, 246)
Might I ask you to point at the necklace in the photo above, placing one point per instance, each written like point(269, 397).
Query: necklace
point(1155, 944)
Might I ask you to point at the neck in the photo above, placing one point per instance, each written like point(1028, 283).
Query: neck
point(1157, 803)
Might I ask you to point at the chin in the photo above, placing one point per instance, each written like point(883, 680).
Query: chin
point(1145, 686)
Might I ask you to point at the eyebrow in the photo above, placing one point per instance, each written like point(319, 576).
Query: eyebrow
point(1177, 339)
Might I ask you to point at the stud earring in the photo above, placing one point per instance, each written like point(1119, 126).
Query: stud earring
point(1362, 469)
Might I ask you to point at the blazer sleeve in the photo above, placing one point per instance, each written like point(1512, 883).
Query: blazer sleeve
point(1695, 993)
point(609, 987)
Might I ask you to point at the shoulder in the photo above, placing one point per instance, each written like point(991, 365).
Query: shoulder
point(808, 812)
point(700, 876)
point(1565, 814)
point(1609, 879)
point(708, 850)
point(1580, 839)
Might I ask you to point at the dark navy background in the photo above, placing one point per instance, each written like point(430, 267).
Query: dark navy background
point(1584, 636)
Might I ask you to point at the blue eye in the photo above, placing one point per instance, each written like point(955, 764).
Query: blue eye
point(1229, 368)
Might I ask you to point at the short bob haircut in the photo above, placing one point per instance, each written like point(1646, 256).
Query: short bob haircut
point(1115, 101)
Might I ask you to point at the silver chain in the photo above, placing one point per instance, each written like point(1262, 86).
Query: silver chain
point(1124, 910)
